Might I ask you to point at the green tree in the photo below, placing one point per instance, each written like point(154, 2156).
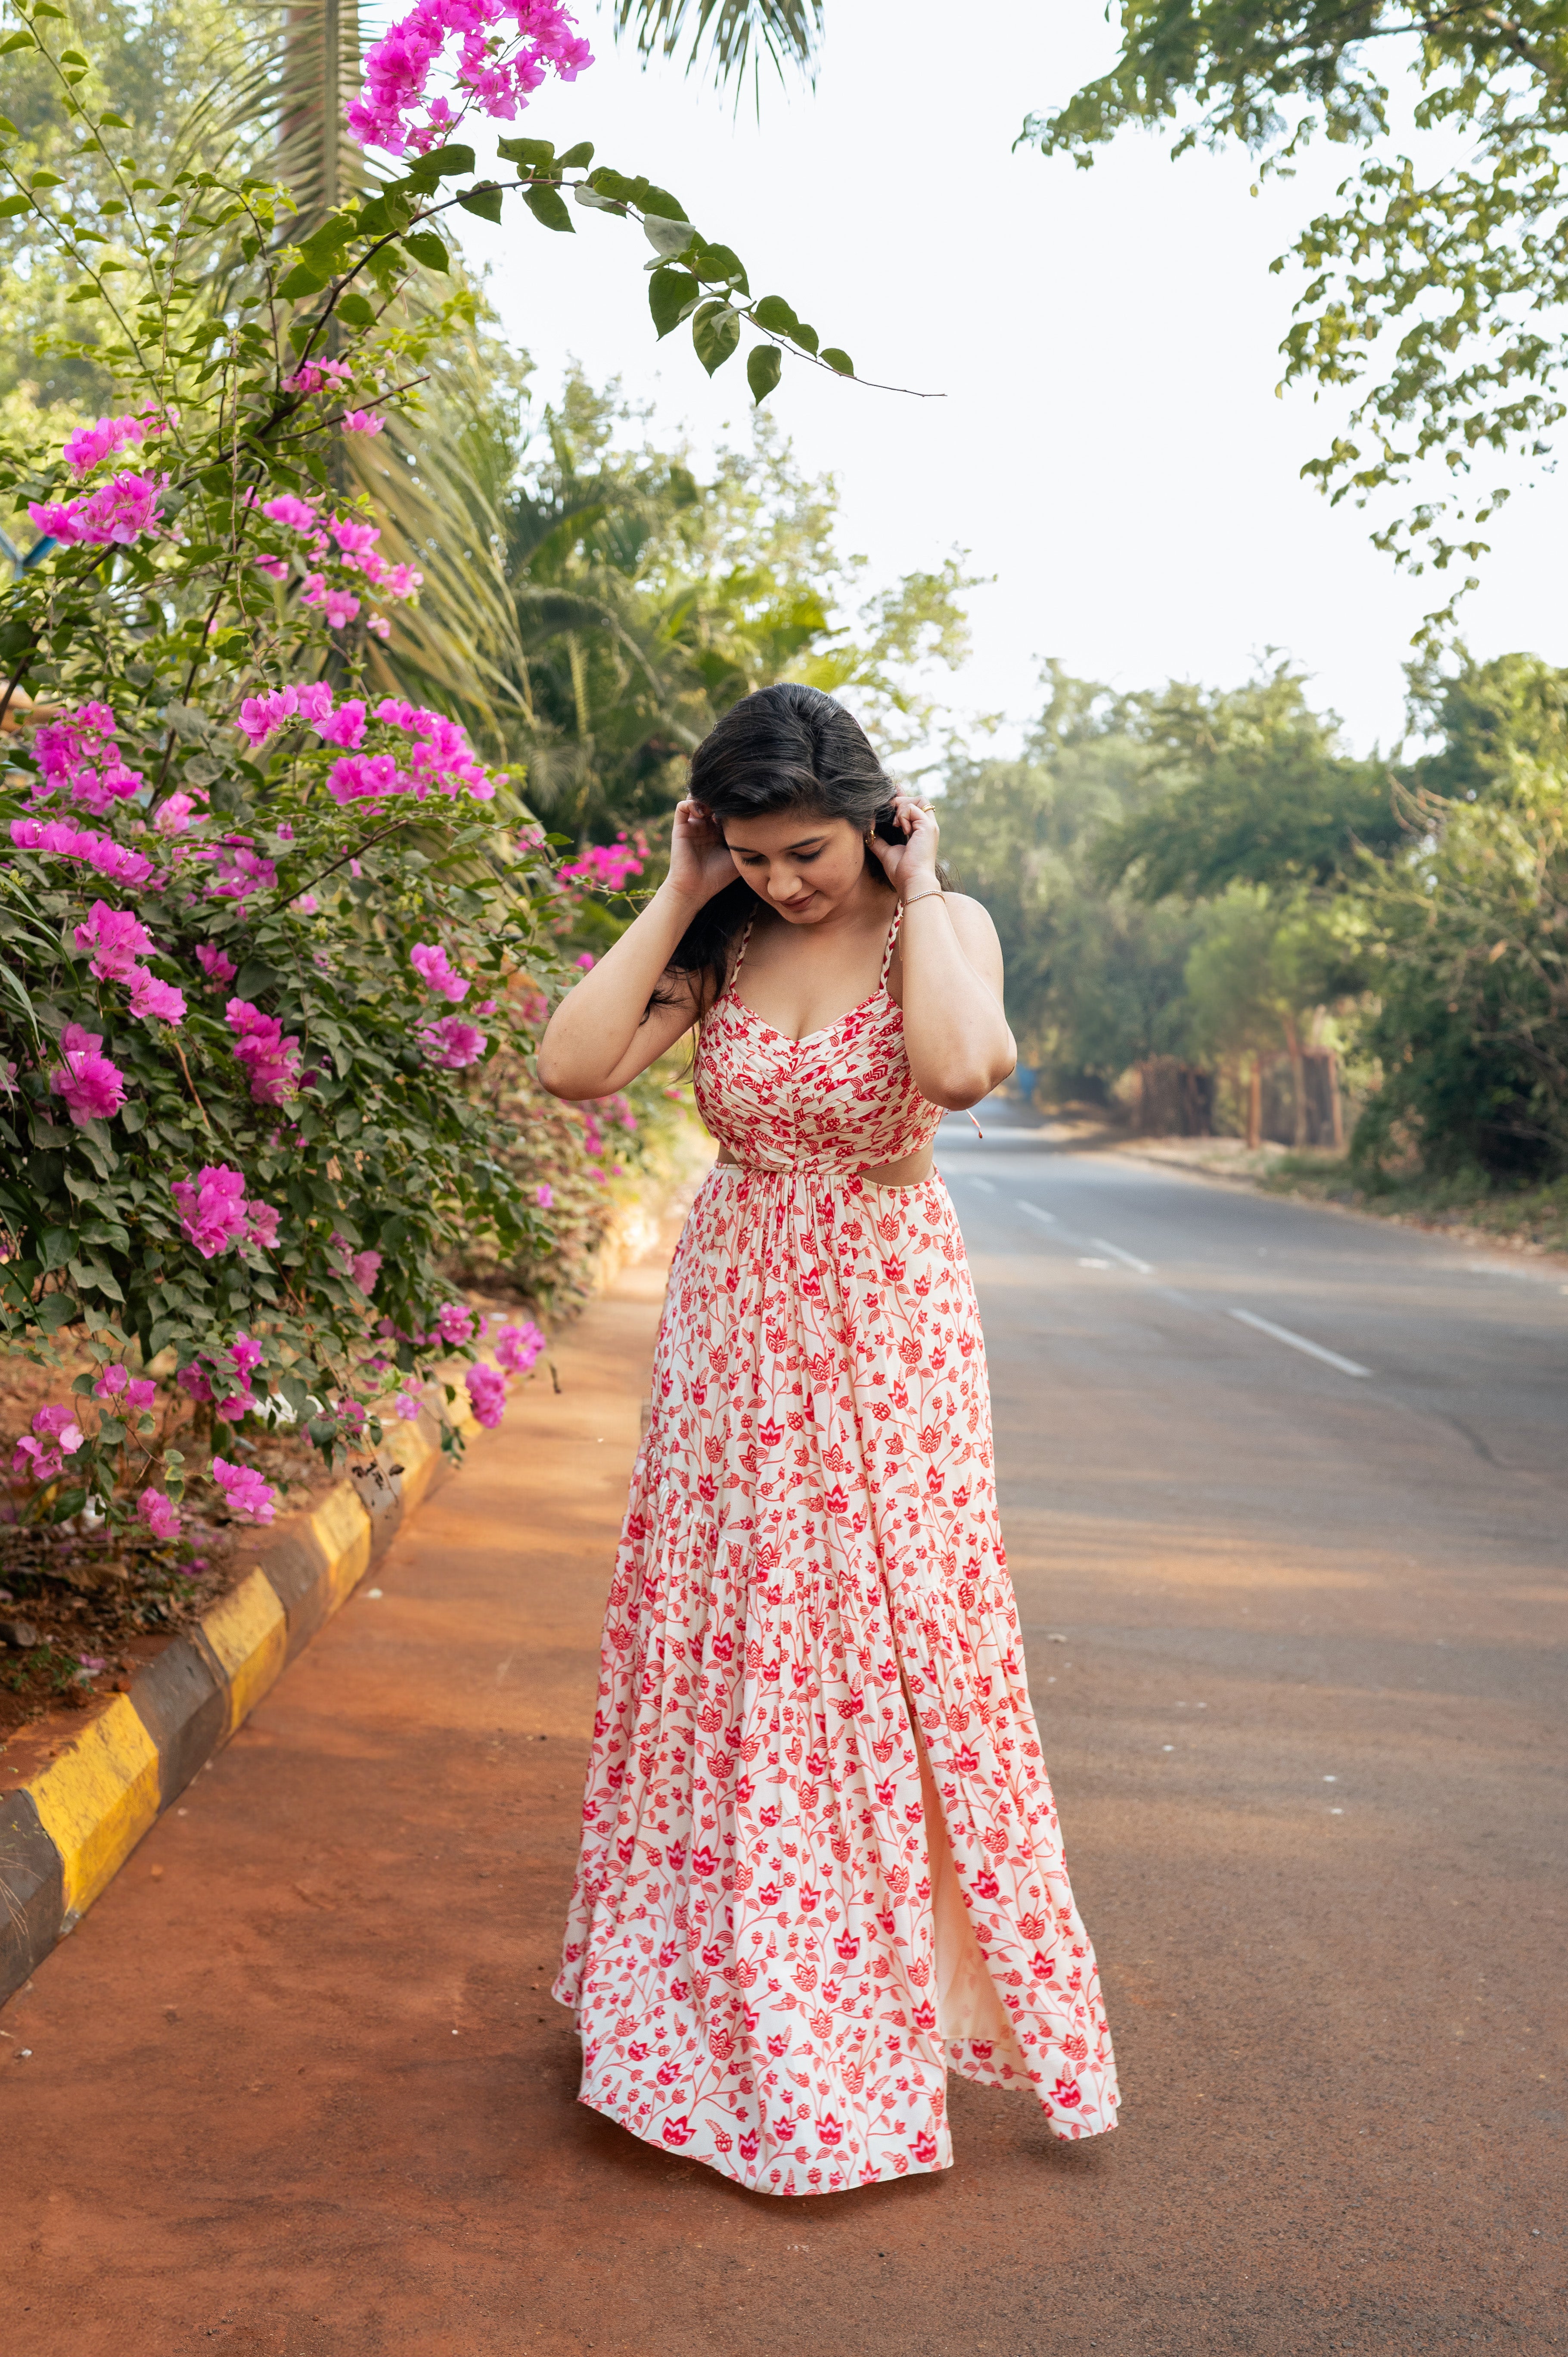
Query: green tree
point(1262, 976)
point(1436, 288)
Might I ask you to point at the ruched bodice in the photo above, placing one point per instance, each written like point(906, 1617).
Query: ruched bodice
point(840, 1099)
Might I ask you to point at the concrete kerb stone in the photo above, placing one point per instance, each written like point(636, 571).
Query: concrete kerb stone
point(66, 1833)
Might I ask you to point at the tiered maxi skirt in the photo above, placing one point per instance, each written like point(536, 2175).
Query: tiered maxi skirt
point(821, 1862)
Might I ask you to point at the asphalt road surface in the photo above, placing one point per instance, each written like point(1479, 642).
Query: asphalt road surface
point(1286, 1493)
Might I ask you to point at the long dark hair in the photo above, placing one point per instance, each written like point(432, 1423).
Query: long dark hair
point(786, 747)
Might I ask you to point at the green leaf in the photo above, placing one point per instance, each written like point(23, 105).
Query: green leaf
point(55, 1310)
point(837, 360)
point(669, 238)
point(715, 331)
point(355, 311)
point(764, 366)
point(16, 41)
point(576, 158)
point(774, 314)
point(532, 153)
point(15, 205)
point(805, 337)
point(302, 281)
point(485, 202)
point(426, 247)
point(720, 261)
point(546, 206)
point(670, 294)
point(114, 123)
point(659, 202)
point(452, 162)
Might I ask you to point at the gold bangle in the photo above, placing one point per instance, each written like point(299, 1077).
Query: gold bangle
point(915, 899)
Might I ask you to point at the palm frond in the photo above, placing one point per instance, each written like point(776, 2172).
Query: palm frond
point(726, 38)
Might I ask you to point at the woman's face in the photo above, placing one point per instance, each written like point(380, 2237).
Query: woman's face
point(801, 863)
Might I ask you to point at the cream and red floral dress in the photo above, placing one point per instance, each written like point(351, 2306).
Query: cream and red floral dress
point(792, 1916)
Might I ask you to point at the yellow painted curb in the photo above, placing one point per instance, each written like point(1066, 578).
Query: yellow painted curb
point(420, 1459)
point(249, 1633)
point(343, 1529)
point(97, 1803)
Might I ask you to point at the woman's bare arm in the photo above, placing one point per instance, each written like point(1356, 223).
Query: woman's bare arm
point(597, 1038)
point(955, 1033)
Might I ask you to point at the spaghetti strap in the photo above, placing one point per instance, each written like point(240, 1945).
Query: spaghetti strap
point(892, 936)
point(739, 956)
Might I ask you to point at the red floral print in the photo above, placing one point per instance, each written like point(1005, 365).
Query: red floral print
point(810, 1567)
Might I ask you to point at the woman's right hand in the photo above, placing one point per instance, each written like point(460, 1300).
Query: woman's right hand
point(700, 864)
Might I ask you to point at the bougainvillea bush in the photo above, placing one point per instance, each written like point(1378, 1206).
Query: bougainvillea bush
point(263, 927)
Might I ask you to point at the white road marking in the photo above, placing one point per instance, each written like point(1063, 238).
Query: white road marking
point(1300, 1342)
point(1143, 1268)
point(1035, 1213)
point(985, 1185)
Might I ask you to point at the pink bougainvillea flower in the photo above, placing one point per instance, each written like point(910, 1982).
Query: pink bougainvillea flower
point(237, 868)
point(79, 752)
point(586, 961)
point(245, 1491)
point(93, 1088)
point(341, 609)
point(56, 1435)
point(261, 715)
point(454, 1323)
point(378, 626)
point(429, 962)
point(517, 1347)
point(271, 1059)
point(364, 1268)
point(452, 1043)
point(274, 566)
point(173, 816)
point(297, 514)
point(159, 1512)
point(360, 421)
point(486, 1389)
point(355, 539)
point(408, 1405)
point(214, 964)
point(544, 1196)
point(118, 512)
point(505, 48)
point(247, 1354)
point(346, 727)
point(91, 444)
point(215, 1214)
point(69, 841)
point(607, 865)
point(156, 1001)
point(137, 1392)
point(402, 580)
point(114, 940)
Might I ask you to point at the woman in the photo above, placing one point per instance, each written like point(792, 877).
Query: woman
point(821, 1864)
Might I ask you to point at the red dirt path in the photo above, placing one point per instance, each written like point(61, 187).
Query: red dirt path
point(296, 2087)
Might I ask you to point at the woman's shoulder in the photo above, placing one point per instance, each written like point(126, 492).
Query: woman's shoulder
point(970, 916)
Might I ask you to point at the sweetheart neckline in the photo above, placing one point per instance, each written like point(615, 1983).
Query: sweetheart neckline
point(826, 1030)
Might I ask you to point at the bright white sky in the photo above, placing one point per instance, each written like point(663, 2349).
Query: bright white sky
point(1110, 448)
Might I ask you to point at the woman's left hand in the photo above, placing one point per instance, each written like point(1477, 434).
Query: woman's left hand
point(910, 867)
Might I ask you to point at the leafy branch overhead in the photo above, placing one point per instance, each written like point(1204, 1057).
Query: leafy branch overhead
point(1437, 279)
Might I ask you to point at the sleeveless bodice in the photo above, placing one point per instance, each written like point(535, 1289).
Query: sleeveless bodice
point(840, 1099)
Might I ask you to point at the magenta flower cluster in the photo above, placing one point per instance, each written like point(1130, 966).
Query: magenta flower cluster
point(607, 865)
point(504, 50)
point(223, 1377)
point(56, 1435)
point(517, 1347)
point(113, 941)
point(118, 512)
point(128, 1394)
point(78, 751)
point(431, 963)
point(245, 1492)
point(159, 1512)
point(345, 540)
point(67, 842)
point(216, 1216)
point(271, 1058)
point(451, 1043)
point(442, 760)
point(91, 444)
point(487, 1390)
point(93, 1085)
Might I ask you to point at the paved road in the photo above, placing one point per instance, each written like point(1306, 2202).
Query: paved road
point(1297, 1636)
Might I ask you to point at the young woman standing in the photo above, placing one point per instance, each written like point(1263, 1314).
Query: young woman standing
point(821, 1864)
